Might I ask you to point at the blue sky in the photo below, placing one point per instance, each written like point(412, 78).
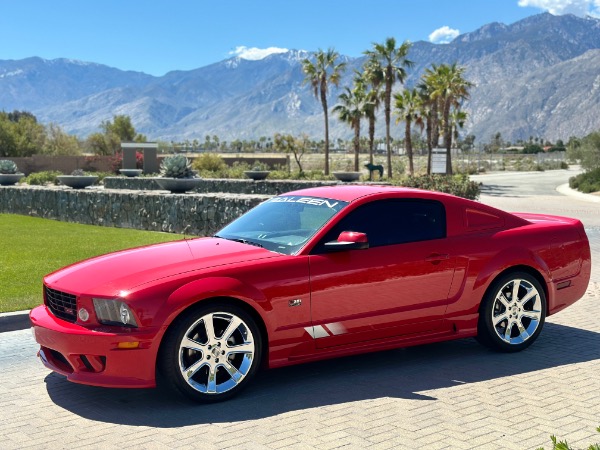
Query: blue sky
point(159, 36)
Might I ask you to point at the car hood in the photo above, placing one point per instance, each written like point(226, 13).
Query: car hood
point(110, 274)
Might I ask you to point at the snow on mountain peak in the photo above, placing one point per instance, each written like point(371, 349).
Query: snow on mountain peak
point(254, 53)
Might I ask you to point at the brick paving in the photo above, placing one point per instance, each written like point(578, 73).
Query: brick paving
point(453, 395)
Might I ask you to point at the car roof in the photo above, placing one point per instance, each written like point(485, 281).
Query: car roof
point(350, 193)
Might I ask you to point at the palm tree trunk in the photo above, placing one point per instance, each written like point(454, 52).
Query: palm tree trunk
point(448, 138)
point(356, 144)
point(429, 143)
point(388, 113)
point(435, 137)
point(409, 151)
point(371, 137)
point(325, 113)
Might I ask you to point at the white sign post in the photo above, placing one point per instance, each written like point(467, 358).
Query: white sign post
point(438, 160)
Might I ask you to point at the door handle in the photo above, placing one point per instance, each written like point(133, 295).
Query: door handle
point(437, 257)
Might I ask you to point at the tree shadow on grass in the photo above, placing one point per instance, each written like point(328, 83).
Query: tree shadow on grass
point(402, 373)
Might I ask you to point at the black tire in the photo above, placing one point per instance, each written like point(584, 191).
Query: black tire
point(507, 325)
point(211, 369)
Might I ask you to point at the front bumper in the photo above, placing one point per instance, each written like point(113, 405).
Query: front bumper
point(92, 356)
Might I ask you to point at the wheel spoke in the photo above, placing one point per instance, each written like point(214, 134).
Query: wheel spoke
point(246, 347)
point(193, 345)
point(533, 315)
point(211, 383)
point(235, 374)
point(502, 299)
point(209, 327)
point(500, 318)
point(508, 331)
point(233, 325)
point(515, 291)
point(191, 371)
point(522, 331)
point(530, 294)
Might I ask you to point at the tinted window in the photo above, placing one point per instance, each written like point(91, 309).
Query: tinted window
point(389, 222)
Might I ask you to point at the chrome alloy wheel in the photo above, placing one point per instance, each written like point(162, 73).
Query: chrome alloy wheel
point(517, 311)
point(216, 353)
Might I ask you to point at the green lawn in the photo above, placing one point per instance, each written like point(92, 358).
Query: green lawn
point(31, 247)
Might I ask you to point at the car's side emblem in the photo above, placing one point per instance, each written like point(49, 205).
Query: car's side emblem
point(295, 302)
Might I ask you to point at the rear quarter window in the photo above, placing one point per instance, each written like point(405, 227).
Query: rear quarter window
point(477, 219)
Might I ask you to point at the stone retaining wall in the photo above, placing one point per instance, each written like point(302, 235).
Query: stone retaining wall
point(210, 185)
point(196, 214)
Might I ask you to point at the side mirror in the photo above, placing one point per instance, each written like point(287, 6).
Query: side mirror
point(348, 240)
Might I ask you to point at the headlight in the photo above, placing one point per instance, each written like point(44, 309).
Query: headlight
point(114, 312)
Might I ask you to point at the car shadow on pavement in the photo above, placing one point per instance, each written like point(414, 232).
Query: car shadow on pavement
point(404, 373)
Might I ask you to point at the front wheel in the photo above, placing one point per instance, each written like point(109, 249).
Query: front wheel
point(212, 353)
point(513, 313)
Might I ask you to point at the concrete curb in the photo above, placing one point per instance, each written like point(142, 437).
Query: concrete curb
point(12, 321)
point(566, 190)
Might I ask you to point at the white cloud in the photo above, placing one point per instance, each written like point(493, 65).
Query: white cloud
point(254, 53)
point(443, 35)
point(579, 8)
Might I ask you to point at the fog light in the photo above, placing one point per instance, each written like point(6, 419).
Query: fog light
point(83, 314)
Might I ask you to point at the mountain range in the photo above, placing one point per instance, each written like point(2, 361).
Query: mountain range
point(537, 77)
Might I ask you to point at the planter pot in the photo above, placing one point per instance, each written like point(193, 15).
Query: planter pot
point(178, 185)
point(257, 174)
point(77, 181)
point(347, 177)
point(131, 172)
point(8, 179)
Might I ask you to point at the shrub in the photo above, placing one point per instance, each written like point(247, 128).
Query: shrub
point(43, 178)
point(586, 182)
point(209, 162)
point(564, 445)
point(458, 185)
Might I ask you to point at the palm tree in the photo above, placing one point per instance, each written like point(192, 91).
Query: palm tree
point(458, 119)
point(374, 77)
point(321, 72)
point(394, 62)
point(447, 84)
point(351, 109)
point(408, 107)
point(429, 114)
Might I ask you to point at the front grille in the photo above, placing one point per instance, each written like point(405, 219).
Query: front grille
point(62, 305)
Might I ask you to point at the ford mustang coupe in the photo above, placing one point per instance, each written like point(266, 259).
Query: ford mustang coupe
point(308, 275)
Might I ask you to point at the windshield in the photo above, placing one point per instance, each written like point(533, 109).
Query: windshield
point(282, 224)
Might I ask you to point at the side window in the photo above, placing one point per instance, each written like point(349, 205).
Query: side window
point(389, 222)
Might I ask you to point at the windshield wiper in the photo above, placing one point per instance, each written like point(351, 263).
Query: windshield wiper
point(240, 240)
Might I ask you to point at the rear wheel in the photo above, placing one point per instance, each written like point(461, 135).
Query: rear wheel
point(513, 313)
point(212, 353)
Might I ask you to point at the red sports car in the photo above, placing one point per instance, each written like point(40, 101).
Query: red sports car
point(309, 275)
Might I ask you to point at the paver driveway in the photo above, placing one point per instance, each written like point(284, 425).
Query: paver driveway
point(450, 395)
